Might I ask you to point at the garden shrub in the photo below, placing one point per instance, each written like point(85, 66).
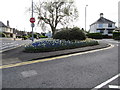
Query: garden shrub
point(70, 34)
point(41, 36)
point(18, 36)
point(94, 35)
point(25, 37)
point(2, 35)
point(106, 36)
point(116, 35)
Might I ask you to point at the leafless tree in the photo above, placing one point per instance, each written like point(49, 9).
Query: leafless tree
point(55, 12)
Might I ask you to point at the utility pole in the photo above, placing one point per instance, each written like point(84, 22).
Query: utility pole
point(85, 16)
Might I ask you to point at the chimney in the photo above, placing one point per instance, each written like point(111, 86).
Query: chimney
point(101, 14)
point(7, 23)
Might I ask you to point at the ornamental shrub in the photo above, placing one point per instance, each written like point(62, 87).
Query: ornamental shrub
point(116, 35)
point(25, 37)
point(70, 34)
point(94, 35)
point(41, 36)
point(2, 35)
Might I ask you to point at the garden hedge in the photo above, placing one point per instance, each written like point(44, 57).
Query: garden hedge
point(94, 35)
point(116, 35)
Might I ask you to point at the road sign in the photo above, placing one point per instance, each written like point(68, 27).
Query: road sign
point(32, 24)
point(32, 20)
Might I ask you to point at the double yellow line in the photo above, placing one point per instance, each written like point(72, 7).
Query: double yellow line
point(50, 59)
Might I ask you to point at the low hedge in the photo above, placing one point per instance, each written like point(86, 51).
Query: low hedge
point(106, 37)
point(116, 35)
point(25, 37)
point(43, 36)
point(94, 35)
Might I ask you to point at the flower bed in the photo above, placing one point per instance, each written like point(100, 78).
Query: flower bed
point(56, 44)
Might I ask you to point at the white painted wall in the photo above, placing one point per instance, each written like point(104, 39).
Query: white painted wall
point(2, 29)
point(106, 26)
point(93, 28)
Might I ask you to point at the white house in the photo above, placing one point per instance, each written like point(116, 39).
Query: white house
point(6, 29)
point(103, 25)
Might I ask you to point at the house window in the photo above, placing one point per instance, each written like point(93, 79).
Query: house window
point(110, 25)
point(110, 31)
point(101, 31)
point(100, 25)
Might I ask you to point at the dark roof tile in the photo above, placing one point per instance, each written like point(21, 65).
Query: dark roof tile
point(2, 24)
point(103, 20)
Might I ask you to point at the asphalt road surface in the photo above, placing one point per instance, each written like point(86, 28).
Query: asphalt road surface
point(80, 71)
point(6, 44)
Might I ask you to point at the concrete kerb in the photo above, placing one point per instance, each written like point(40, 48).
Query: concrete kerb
point(53, 58)
point(61, 54)
point(39, 56)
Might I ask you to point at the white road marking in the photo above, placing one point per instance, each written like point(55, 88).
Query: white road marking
point(114, 86)
point(106, 82)
point(29, 73)
point(10, 48)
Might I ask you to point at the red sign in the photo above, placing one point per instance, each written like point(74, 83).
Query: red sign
point(32, 20)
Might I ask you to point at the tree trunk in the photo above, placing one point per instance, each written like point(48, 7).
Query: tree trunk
point(53, 30)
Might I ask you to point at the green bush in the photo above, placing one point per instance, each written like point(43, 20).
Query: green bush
point(25, 37)
point(41, 36)
point(106, 36)
point(116, 35)
point(70, 34)
point(2, 35)
point(18, 36)
point(94, 35)
point(35, 35)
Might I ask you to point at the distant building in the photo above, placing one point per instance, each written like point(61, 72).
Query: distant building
point(49, 34)
point(6, 29)
point(103, 25)
point(10, 32)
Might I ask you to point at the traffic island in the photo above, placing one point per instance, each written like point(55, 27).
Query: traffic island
point(17, 55)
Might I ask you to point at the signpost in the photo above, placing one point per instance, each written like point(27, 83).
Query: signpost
point(32, 20)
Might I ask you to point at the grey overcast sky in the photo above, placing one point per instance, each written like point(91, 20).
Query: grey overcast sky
point(15, 12)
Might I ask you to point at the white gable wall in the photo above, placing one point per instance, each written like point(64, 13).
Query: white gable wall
point(93, 28)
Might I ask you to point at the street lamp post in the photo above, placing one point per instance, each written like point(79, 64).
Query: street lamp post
point(85, 15)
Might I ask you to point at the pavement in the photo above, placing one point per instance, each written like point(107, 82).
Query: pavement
point(17, 55)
